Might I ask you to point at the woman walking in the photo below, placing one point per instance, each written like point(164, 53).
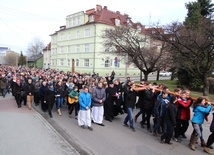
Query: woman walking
point(200, 111)
point(50, 98)
point(59, 95)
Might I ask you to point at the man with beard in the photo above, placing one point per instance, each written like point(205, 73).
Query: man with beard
point(111, 93)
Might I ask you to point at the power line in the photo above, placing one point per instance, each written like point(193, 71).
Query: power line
point(16, 12)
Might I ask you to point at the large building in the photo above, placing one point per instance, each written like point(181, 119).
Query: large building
point(77, 46)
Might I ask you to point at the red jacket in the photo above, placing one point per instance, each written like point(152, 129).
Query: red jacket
point(183, 109)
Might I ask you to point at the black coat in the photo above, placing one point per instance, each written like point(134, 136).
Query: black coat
point(49, 96)
point(170, 115)
point(60, 91)
point(29, 88)
point(17, 89)
point(131, 99)
point(147, 99)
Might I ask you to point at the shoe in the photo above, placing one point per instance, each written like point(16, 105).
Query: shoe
point(133, 129)
point(177, 140)
point(90, 128)
point(76, 117)
point(100, 124)
point(126, 125)
point(82, 126)
point(142, 126)
point(70, 116)
point(207, 150)
point(211, 147)
point(161, 141)
point(51, 116)
point(203, 144)
point(183, 136)
point(155, 134)
point(92, 121)
point(149, 130)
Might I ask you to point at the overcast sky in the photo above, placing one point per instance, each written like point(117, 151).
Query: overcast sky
point(23, 20)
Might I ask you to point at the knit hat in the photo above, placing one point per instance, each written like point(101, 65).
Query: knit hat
point(51, 84)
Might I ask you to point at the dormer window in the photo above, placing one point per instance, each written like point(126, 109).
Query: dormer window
point(117, 22)
point(91, 18)
point(139, 28)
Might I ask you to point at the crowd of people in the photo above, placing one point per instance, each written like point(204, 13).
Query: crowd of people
point(94, 98)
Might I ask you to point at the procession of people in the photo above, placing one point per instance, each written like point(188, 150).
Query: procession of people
point(94, 98)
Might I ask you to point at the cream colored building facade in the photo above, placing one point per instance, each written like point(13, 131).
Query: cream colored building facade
point(78, 44)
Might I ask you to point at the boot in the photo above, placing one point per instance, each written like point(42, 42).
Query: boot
point(207, 150)
point(59, 112)
point(193, 140)
point(203, 144)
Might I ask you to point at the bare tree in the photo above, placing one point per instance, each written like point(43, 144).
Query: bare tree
point(192, 49)
point(35, 47)
point(147, 54)
point(12, 58)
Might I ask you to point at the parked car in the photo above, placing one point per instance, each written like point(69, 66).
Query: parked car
point(165, 74)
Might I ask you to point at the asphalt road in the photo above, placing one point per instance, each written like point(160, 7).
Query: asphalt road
point(115, 139)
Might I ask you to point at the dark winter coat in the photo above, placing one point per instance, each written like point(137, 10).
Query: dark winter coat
point(60, 91)
point(148, 99)
point(3, 83)
point(170, 115)
point(131, 99)
point(49, 96)
point(29, 88)
point(17, 89)
point(42, 91)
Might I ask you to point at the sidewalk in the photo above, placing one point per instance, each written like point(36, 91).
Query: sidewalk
point(26, 132)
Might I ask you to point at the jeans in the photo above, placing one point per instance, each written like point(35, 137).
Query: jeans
point(59, 102)
point(129, 117)
point(3, 92)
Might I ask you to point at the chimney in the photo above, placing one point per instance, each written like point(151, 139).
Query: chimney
point(105, 7)
point(98, 8)
point(117, 12)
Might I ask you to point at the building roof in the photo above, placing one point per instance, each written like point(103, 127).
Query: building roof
point(48, 47)
point(35, 57)
point(105, 16)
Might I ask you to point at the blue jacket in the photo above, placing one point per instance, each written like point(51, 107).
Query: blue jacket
point(84, 100)
point(200, 113)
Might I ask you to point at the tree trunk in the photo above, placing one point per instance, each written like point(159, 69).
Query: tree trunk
point(206, 86)
point(157, 77)
point(141, 76)
point(173, 75)
point(146, 76)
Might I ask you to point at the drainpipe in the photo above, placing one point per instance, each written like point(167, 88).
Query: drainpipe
point(94, 48)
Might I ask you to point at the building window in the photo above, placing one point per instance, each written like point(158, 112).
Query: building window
point(87, 32)
point(69, 36)
point(116, 62)
point(86, 62)
point(117, 22)
point(91, 18)
point(78, 48)
point(77, 62)
point(61, 62)
point(74, 23)
point(78, 34)
point(78, 21)
point(69, 62)
point(69, 49)
point(62, 37)
point(87, 47)
point(107, 63)
point(70, 23)
point(62, 49)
